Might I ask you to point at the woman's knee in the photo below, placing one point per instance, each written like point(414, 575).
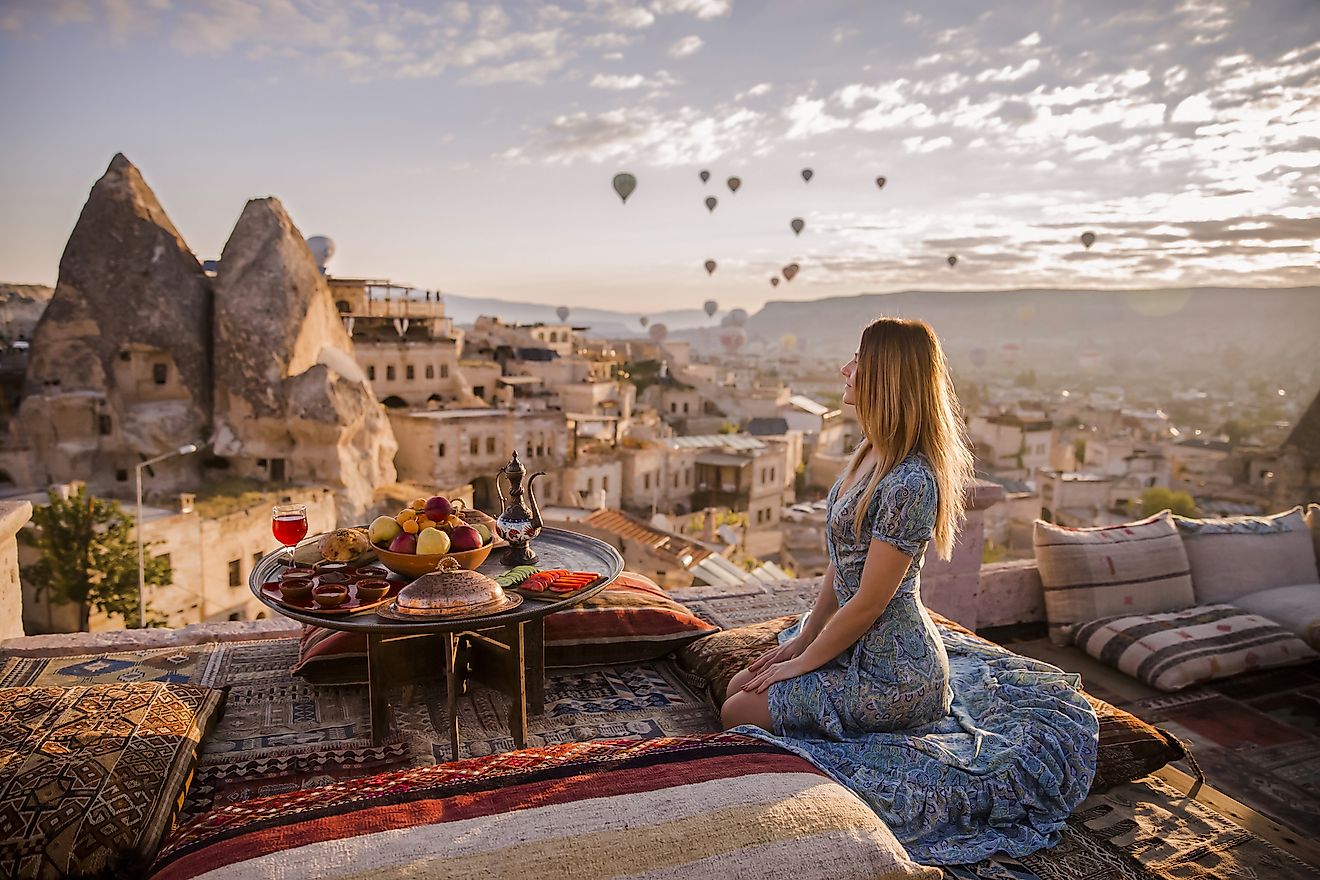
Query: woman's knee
point(736, 683)
point(746, 708)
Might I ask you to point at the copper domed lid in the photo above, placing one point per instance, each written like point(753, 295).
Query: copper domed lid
point(450, 591)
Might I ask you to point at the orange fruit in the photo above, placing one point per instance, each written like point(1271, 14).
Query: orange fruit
point(411, 527)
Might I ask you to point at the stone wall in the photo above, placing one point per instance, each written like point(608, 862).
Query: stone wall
point(13, 516)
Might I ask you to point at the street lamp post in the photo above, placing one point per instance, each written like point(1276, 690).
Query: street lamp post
point(187, 449)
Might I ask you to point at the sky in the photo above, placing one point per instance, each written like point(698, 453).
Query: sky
point(470, 147)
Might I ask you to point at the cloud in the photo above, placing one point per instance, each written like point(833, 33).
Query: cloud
point(622, 13)
point(809, 118)
point(686, 46)
point(1009, 73)
point(755, 91)
point(926, 145)
point(622, 83)
point(702, 9)
point(643, 135)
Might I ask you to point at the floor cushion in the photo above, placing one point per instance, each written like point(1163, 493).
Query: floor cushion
point(1295, 607)
point(92, 777)
point(705, 805)
point(1129, 748)
point(1176, 649)
point(1097, 572)
point(1313, 520)
point(1235, 555)
point(630, 621)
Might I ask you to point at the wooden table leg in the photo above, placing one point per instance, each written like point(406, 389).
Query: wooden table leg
point(376, 696)
point(518, 686)
point(453, 681)
point(534, 646)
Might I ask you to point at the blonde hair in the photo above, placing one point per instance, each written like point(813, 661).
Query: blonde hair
point(906, 402)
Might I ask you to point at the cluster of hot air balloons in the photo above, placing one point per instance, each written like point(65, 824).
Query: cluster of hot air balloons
point(734, 336)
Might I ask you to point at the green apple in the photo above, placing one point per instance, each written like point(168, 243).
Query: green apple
point(384, 529)
point(432, 542)
point(484, 530)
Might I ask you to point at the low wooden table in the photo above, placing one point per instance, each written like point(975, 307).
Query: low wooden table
point(504, 651)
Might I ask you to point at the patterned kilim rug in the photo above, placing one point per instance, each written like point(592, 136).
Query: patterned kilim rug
point(278, 734)
point(1256, 736)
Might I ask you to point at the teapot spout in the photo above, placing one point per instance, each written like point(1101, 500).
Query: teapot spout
point(534, 507)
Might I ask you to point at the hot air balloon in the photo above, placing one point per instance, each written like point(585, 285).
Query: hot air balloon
point(1088, 239)
point(733, 338)
point(797, 224)
point(807, 174)
point(978, 356)
point(1010, 351)
point(738, 317)
point(1090, 360)
point(788, 342)
point(711, 202)
point(1026, 312)
point(562, 312)
point(790, 271)
point(624, 184)
point(704, 175)
point(774, 281)
point(643, 320)
point(710, 267)
point(952, 260)
point(734, 183)
point(711, 306)
point(658, 333)
point(880, 182)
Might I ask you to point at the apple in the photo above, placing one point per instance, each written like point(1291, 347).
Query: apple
point(465, 538)
point(432, 542)
point(383, 529)
point(438, 508)
point(404, 543)
point(484, 530)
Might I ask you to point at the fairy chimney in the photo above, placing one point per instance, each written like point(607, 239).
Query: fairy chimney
point(291, 403)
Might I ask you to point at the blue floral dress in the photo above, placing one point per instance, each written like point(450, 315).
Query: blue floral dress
point(963, 749)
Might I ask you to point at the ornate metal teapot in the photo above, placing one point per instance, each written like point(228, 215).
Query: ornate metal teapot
point(518, 523)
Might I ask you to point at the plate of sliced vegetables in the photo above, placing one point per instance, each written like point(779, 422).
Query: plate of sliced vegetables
point(556, 584)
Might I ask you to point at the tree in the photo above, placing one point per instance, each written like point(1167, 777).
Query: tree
point(89, 557)
point(1158, 498)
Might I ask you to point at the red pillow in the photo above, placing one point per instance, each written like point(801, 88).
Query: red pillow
point(629, 621)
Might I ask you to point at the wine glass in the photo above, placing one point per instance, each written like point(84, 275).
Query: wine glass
point(288, 523)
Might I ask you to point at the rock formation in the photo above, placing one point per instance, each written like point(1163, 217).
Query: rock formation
point(120, 360)
point(287, 387)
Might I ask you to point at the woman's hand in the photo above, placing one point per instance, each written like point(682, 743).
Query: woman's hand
point(778, 654)
point(780, 671)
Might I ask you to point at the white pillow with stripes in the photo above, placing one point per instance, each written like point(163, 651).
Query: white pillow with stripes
point(1128, 569)
point(1177, 649)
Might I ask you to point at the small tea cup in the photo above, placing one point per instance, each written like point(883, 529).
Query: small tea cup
point(329, 595)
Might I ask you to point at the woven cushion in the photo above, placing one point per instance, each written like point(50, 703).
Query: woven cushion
point(328, 656)
point(1180, 648)
point(92, 777)
point(1295, 608)
point(630, 621)
point(708, 805)
point(1129, 569)
point(1235, 555)
point(1129, 748)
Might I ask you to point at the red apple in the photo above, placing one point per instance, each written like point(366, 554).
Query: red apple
point(465, 538)
point(438, 507)
point(404, 543)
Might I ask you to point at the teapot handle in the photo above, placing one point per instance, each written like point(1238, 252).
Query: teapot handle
point(504, 504)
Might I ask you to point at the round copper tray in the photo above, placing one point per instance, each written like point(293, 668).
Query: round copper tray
point(511, 600)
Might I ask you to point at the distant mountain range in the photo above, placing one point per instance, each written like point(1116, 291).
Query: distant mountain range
point(1005, 325)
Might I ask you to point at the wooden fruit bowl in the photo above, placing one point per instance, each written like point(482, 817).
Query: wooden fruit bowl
point(414, 565)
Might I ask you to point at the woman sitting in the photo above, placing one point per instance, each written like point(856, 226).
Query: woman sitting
point(963, 751)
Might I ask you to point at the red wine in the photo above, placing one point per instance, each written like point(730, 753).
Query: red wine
point(289, 528)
